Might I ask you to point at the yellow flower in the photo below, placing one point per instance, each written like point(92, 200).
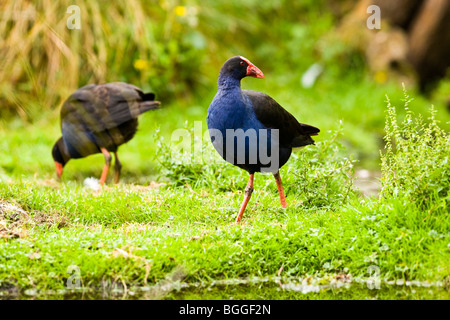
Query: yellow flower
point(141, 64)
point(180, 11)
point(380, 76)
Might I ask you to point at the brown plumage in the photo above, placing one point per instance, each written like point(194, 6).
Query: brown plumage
point(98, 119)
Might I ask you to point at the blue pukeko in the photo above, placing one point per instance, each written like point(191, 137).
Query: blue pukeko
point(249, 127)
point(99, 118)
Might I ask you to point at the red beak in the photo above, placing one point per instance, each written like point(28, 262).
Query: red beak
point(59, 169)
point(252, 70)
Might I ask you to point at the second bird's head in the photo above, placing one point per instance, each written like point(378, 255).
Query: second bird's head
point(239, 67)
point(60, 156)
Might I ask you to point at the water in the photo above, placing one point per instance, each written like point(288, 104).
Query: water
point(246, 289)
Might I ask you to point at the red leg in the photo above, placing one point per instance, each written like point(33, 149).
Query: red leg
point(280, 189)
point(117, 168)
point(106, 167)
point(247, 195)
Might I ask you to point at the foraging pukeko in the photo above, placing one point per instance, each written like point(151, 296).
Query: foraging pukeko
point(250, 129)
point(98, 119)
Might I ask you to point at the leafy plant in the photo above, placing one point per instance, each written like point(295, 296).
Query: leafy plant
point(322, 175)
point(187, 167)
point(415, 165)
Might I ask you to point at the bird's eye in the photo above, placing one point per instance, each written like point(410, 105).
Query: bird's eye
point(242, 63)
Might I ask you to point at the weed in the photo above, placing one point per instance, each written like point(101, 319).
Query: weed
point(322, 175)
point(205, 170)
point(415, 165)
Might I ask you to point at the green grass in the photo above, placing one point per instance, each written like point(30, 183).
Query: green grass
point(187, 224)
point(138, 235)
point(181, 57)
point(177, 227)
point(326, 230)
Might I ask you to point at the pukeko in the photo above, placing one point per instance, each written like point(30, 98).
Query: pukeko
point(248, 127)
point(98, 119)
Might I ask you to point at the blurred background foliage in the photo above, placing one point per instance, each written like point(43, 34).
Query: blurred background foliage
point(175, 48)
point(171, 47)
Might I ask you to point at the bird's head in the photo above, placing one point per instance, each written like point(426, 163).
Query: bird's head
point(239, 67)
point(60, 156)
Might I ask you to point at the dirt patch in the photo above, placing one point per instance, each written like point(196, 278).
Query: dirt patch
point(15, 222)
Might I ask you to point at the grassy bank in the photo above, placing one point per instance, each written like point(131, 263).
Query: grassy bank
point(139, 235)
point(170, 221)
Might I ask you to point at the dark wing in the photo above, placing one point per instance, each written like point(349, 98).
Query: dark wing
point(97, 108)
point(292, 133)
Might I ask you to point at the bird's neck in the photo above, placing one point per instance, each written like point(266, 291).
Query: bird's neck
point(227, 83)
